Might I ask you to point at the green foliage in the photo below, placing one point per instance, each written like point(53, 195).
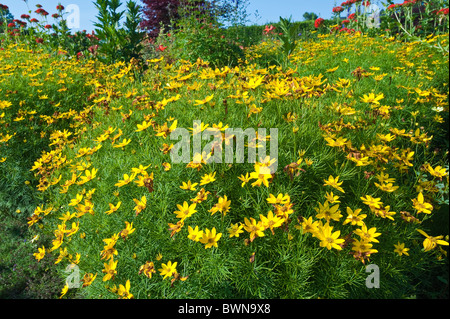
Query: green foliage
point(199, 35)
point(288, 36)
point(118, 43)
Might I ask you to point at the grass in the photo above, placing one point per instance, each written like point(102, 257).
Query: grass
point(306, 99)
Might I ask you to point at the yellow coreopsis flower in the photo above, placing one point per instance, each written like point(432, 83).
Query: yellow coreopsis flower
point(184, 211)
point(168, 270)
point(372, 202)
point(271, 221)
point(148, 269)
point(88, 279)
point(368, 235)
point(194, 233)
point(210, 238)
point(204, 101)
point(140, 204)
point(188, 186)
point(110, 269)
point(354, 217)
point(113, 208)
point(124, 291)
point(143, 126)
point(400, 249)
point(431, 242)
point(127, 230)
point(122, 144)
point(280, 199)
point(40, 254)
point(245, 179)
point(327, 212)
point(328, 238)
point(371, 98)
point(235, 230)
point(208, 178)
point(333, 182)
point(421, 206)
point(222, 206)
point(126, 180)
point(256, 229)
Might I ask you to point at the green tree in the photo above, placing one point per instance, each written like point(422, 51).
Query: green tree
point(310, 16)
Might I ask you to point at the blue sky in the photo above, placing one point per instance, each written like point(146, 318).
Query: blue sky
point(268, 10)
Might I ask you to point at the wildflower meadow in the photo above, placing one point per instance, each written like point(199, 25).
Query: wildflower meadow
point(204, 158)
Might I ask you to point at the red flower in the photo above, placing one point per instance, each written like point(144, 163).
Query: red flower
point(338, 9)
point(24, 16)
point(60, 7)
point(34, 20)
point(443, 11)
point(318, 22)
point(161, 48)
point(352, 16)
point(39, 40)
point(48, 26)
point(11, 25)
point(268, 29)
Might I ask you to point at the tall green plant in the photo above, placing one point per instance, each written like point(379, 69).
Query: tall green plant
point(118, 43)
point(288, 36)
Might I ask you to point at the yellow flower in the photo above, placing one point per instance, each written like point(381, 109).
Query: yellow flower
point(222, 206)
point(438, 171)
point(308, 226)
point(168, 270)
point(210, 238)
point(189, 186)
point(235, 230)
point(333, 182)
point(280, 199)
point(328, 238)
point(204, 101)
point(113, 208)
point(431, 242)
point(245, 179)
point(88, 279)
point(354, 218)
point(400, 249)
point(185, 211)
point(64, 291)
point(110, 269)
point(372, 202)
point(271, 221)
point(327, 212)
point(140, 204)
point(124, 143)
point(194, 233)
point(256, 229)
point(367, 234)
point(208, 178)
point(40, 254)
point(124, 291)
point(421, 206)
point(143, 126)
point(128, 230)
point(148, 269)
point(371, 98)
point(75, 201)
point(126, 180)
